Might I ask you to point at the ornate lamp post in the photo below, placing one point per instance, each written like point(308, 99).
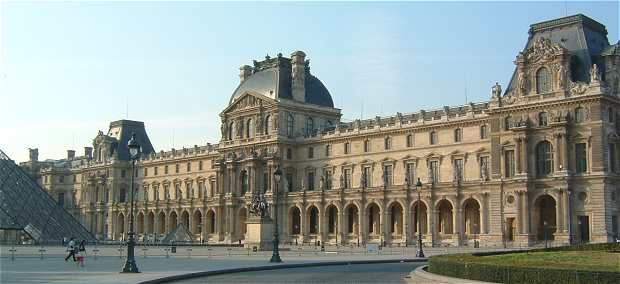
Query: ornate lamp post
point(275, 257)
point(130, 262)
point(420, 252)
point(545, 232)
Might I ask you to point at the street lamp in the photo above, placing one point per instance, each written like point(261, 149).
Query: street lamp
point(420, 253)
point(130, 263)
point(545, 232)
point(275, 257)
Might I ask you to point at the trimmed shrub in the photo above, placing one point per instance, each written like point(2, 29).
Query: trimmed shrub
point(466, 266)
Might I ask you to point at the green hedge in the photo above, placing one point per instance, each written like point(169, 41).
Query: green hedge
point(466, 266)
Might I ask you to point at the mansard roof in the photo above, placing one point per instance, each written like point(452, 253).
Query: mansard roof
point(581, 36)
point(272, 78)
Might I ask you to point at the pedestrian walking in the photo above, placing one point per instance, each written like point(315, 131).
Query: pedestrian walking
point(71, 249)
point(82, 247)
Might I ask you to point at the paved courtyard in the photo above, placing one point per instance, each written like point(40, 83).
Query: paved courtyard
point(25, 265)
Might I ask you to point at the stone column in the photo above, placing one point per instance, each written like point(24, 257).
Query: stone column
point(524, 157)
point(566, 208)
point(518, 154)
point(303, 224)
point(204, 234)
point(519, 219)
point(526, 213)
point(406, 219)
point(484, 214)
point(383, 228)
point(361, 225)
point(557, 157)
point(340, 226)
point(322, 232)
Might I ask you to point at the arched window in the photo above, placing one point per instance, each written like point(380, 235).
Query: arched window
point(544, 158)
point(266, 125)
point(507, 123)
point(366, 146)
point(458, 135)
point(387, 143)
point(542, 119)
point(309, 126)
point(231, 130)
point(249, 129)
point(580, 115)
point(290, 121)
point(433, 137)
point(542, 81)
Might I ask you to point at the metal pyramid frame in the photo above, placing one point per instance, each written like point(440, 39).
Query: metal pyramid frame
point(25, 205)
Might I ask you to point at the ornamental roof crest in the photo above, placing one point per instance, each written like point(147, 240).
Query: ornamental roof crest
point(542, 50)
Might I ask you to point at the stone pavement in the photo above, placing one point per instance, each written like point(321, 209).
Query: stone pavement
point(24, 265)
point(421, 276)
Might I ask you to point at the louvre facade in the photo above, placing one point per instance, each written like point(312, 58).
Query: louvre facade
point(540, 157)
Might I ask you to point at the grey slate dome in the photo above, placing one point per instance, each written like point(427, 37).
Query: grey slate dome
point(273, 78)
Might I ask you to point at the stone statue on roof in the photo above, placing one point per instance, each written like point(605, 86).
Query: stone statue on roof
point(496, 90)
point(594, 75)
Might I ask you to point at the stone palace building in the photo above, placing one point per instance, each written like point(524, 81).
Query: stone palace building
point(540, 157)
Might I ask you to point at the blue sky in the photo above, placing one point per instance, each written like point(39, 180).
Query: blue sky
point(69, 68)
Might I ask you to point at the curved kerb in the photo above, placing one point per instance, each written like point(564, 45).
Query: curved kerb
point(273, 267)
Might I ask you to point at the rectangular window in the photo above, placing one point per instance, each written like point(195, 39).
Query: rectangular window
point(328, 150)
point(581, 158)
point(509, 163)
point(123, 173)
point(328, 179)
point(387, 175)
point(176, 168)
point(289, 179)
point(483, 132)
point(265, 181)
point(347, 178)
point(212, 188)
point(45, 178)
point(310, 152)
point(410, 172)
point(189, 166)
point(289, 153)
point(434, 172)
point(155, 170)
point(409, 141)
point(200, 165)
point(61, 199)
point(458, 170)
point(347, 148)
point(146, 171)
point(166, 169)
point(61, 179)
point(367, 177)
point(433, 137)
point(311, 181)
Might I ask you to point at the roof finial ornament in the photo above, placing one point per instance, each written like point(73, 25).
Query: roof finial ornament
point(267, 57)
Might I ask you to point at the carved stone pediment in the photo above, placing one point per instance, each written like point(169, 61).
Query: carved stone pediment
point(542, 50)
point(245, 102)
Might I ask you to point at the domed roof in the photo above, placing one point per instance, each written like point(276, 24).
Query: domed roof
point(272, 78)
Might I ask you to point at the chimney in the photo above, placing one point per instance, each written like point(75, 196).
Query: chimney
point(88, 152)
point(70, 154)
point(34, 154)
point(298, 75)
point(244, 72)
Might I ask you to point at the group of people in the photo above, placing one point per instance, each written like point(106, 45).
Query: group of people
point(75, 250)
